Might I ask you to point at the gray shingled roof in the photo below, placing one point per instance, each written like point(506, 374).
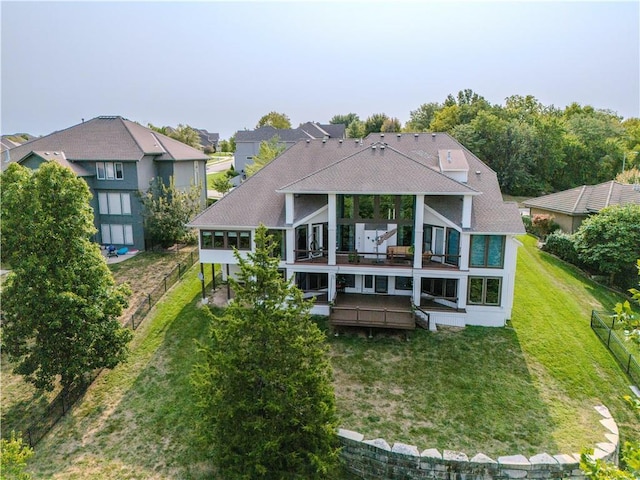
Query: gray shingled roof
point(587, 198)
point(304, 131)
point(394, 173)
point(108, 138)
point(257, 200)
point(60, 159)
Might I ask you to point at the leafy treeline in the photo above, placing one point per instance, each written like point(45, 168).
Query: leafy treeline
point(533, 148)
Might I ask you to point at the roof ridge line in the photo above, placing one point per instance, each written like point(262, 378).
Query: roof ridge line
point(575, 205)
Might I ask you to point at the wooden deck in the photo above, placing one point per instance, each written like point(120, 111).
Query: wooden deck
point(372, 311)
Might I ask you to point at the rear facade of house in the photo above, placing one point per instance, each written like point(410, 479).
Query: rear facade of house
point(379, 230)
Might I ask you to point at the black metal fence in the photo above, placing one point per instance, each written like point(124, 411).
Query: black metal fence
point(61, 404)
point(602, 324)
point(157, 293)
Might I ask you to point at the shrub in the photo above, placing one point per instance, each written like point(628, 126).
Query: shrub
point(542, 225)
point(562, 246)
point(528, 226)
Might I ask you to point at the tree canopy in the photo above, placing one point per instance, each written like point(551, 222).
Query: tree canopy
point(167, 209)
point(275, 120)
point(269, 149)
point(60, 303)
point(264, 385)
point(610, 240)
point(183, 133)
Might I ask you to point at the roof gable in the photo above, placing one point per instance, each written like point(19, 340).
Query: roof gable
point(108, 138)
point(587, 198)
point(377, 169)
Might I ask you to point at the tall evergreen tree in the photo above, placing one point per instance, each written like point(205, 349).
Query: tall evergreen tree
point(265, 383)
point(60, 303)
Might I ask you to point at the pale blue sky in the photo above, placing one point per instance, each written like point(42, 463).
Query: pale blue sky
point(222, 65)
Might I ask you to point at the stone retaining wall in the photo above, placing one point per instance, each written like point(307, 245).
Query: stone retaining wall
point(376, 459)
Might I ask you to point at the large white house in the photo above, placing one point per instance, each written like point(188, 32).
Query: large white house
point(379, 231)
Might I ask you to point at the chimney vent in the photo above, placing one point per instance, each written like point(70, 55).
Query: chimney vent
point(382, 135)
point(399, 135)
point(449, 156)
point(373, 147)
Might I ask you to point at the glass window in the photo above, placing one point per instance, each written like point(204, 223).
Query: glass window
point(452, 247)
point(346, 238)
point(115, 207)
point(487, 251)
point(404, 283)
point(368, 281)
point(128, 235)
point(119, 171)
point(345, 206)
point(100, 171)
point(218, 239)
point(126, 204)
point(365, 206)
point(484, 290)
point(108, 166)
point(106, 233)
point(206, 239)
point(245, 241)
point(387, 207)
point(232, 239)
point(406, 207)
point(103, 203)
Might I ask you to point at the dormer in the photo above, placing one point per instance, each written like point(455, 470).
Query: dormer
point(453, 164)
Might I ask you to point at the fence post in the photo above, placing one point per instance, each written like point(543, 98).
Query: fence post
point(179, 270)
point(609, 337)
point(629, 365)
point(165, 284)
point(133, 325)
point(149, 299)
point(29, 436)
point(62, 399)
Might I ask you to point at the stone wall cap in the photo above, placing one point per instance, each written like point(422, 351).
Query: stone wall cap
point(405, 449)
point(543, 459)
point(380, 443)
point(610, 424)
point(431, 453)
point(455, 456)
point(607, 447)
point(351, 435)
point(482, 458)
point(564, 459)
point(604, 411)
point(612, 437)
point(599, 454)
point(514, 461)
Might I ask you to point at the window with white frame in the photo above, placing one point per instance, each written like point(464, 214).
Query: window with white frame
point(114, 203)
point(109, 171)
point(116, 234)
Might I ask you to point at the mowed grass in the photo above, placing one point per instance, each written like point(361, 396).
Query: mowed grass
point(525, 390)
point(498, 391)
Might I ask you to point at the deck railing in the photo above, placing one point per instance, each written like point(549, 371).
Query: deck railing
point(372, 317)
point(605, 331)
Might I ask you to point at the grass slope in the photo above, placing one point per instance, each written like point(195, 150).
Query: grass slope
point(501, 391)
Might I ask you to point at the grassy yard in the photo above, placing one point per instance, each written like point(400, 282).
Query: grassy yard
point(524, 390)
point(143, 272)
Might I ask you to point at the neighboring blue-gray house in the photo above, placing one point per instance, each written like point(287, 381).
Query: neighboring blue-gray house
point(117, 158)
point(248, 141)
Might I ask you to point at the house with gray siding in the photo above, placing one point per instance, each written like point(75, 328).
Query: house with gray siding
point(384, 232)
point(118, 159)
point(248, 141)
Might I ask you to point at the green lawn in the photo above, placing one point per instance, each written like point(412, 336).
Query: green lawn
point(501, 391)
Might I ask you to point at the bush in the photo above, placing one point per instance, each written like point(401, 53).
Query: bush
point(528, 226)
point(543, 225)
point(562, 246)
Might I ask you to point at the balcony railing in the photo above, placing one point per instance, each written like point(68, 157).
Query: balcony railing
point(390, 258)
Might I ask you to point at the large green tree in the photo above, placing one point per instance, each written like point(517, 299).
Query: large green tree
point(421, 118)
point(269, 149)
point(373, 124)
point(167, 209)
point(264, 385)
point(60, 303)
point(346, 120)
point(183, 133)
point(610, 240)
point(275, 120)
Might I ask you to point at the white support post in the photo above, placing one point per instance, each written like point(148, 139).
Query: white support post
point(288, 204)
point(418, 228)
point(467, 202)
point(291, 244)
point(331, 227)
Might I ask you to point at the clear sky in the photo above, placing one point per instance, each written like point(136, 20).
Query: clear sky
point(223, 65)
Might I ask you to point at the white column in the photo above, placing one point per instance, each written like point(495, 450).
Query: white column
point(465, 245)
point(332, 213)
point(418, 232)
point(288, 205)
point(291, 243)
point(467, 202)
